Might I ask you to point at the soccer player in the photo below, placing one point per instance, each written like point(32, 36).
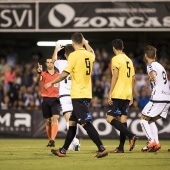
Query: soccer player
point(65, 87)
point(159, 103)
point(120, 94)
point(80, 63)
point(50, 100)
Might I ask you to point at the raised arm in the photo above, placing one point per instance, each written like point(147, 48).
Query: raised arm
point(88, 47)
point(58, 47)
point(39, 70)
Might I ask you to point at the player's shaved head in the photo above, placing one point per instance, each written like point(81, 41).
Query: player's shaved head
point(77, 38)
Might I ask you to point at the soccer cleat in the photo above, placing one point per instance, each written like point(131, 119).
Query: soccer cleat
point(157, 147)
point(168, 150)
point(51, 143)
point(117, 150)
point(151, 147)
point(132, 142)
point(151, 144)
point(58, 153)
point(53, 151)
point(101, 154)
point(151, 150)
point(145, 149)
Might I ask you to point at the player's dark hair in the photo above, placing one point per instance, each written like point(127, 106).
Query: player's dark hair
point(117, 44)
point(150, 51)
point(77, 38)
point(68, 49)
point(48, 58)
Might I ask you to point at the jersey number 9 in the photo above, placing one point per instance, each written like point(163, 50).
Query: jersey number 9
point(87, 61)
point(164, 77)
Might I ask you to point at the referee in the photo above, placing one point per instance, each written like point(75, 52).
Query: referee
point(50, 101)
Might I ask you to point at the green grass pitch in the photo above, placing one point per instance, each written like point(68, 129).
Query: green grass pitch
point(31, 154)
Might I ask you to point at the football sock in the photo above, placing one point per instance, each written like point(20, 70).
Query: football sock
point(70, 136)
point(154, 131)
point(119, 126)
point(147, 130)
point(48, 131)
point(54, 131)
point(94, 136)
point(122, 138)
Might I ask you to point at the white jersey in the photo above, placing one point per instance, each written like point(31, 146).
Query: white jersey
point(160, 88)
point(65, 85)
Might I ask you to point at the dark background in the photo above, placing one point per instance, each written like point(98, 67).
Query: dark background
point(25, 44)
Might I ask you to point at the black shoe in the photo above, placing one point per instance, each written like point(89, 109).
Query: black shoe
point(51, 143)
point(117, 150)
point(53, 151)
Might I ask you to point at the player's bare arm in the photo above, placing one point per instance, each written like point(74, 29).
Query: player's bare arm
point(58, 47)
point(39, 70)
point(133, 89)
point(88, 47)
point(61, 77)
point(113, 83)
point(152, 76)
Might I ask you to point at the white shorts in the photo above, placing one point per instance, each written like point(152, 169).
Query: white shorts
point(66, 104)
point(153, 109)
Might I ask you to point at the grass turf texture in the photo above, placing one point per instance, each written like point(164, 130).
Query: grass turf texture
point(31, 154)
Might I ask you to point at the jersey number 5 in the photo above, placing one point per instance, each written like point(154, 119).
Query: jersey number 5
point(127, 64)
point(87, 61)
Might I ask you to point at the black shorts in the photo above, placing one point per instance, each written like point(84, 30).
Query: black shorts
point(50, 107)
point(81, 113)
point(118, 108)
